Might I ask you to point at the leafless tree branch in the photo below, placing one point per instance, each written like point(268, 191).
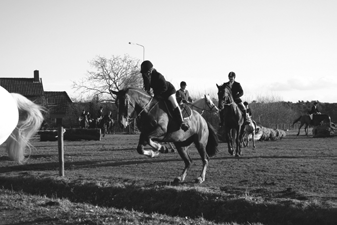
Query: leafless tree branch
point(116, 73)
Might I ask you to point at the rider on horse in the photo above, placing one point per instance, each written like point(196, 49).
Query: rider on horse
point(314, 110)
point(100, 114)
point(162, 89)
point(237, 92)
point(182, 94)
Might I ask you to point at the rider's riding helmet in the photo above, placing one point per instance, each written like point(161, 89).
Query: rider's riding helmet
point(182, 83)
point(146, 66)
point(231, 74)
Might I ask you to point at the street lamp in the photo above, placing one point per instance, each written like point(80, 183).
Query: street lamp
point(131, 43)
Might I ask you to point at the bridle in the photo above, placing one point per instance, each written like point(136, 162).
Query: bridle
point(210, 106)
point(143, 109)
point(230, 97)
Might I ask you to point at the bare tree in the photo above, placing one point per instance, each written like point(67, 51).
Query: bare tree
point(115, 73)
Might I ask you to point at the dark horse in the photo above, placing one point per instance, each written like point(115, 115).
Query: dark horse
point(156, 125)
point(306, 120)
point(232, 119)
point(106, 123)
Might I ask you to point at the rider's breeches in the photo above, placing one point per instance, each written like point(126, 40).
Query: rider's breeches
point(176, 109)
point(173, 101)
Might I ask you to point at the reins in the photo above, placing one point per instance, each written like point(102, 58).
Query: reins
point(144, 108)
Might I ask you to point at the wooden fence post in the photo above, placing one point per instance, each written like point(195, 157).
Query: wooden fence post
point(60, 146)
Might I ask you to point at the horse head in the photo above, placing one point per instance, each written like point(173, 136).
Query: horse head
point(211, 104)
point(224, 96)
point(127, 101)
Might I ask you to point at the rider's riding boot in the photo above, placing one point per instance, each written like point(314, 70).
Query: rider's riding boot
point(179, 119)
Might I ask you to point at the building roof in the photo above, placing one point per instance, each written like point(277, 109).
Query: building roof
point(25, 86)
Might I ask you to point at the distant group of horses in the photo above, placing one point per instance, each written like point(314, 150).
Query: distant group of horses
point(105, 123)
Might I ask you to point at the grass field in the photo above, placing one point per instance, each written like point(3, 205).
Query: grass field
point(289, 181)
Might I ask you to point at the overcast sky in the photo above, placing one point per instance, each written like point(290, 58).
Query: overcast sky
point(281, 48)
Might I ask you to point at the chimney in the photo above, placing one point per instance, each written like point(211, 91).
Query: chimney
point(36, 76)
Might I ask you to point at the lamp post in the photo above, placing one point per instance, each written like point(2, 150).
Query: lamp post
point(131, 43)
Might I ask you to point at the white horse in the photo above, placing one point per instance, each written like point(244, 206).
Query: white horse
point(204, 104)
point(20, 119)
point(249, 133)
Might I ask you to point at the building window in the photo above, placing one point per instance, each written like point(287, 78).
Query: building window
point(51, 101)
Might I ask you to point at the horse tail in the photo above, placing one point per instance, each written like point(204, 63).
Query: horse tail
point(212, 144)
point(30, 120)
point(297, 120)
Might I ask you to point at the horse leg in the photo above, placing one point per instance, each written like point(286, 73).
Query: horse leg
point(201, 147)
point(172, 147)
point(306, 129)
point(237, 140)
point(299, 128)
point(140, 148)
point(187, 160)
point(253, 139)
point(229, 141)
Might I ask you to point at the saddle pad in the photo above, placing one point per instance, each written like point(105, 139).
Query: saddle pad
point(185, 110)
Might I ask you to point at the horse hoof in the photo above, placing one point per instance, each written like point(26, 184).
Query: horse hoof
point(199, 180)
point(177, 180)
point(237, 155)
point(140, 149)
point(163, 149)
point(154, 154)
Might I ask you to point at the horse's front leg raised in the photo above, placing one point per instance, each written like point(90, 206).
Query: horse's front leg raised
point(143, 140)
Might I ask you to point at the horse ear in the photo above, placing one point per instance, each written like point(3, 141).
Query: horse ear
point(217, 85)
point(113, 92)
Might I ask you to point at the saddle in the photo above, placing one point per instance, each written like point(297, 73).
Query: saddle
point(186, 111)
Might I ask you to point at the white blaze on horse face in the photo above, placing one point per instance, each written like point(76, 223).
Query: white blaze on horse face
point(9, 116)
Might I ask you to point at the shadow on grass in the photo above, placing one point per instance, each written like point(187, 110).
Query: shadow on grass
point(81, 164)
point(243, 157)
point(172, 201)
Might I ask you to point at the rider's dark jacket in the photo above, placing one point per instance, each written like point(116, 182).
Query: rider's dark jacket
point(237, 91)
point(314, 110)
point(161, 87)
